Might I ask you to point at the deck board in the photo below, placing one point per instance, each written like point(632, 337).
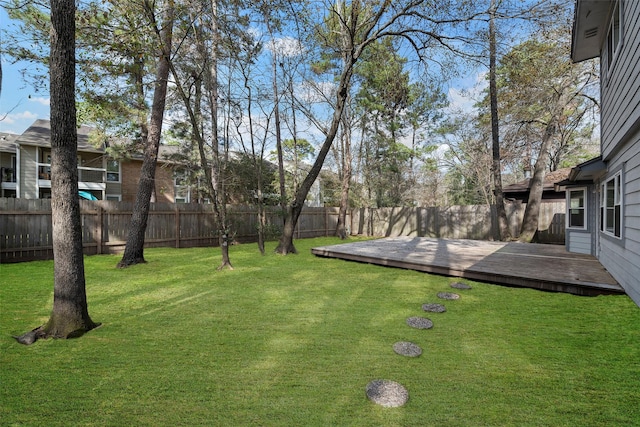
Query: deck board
point(546, 267)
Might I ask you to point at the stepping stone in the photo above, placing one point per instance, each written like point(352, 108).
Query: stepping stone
point(434, 308)
point(448, 295)
point(405, 348)
point(420, 322)
point(389, 394)
point(460, 285)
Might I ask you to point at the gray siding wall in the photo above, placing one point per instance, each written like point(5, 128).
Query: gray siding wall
point(579, 242)
point(620, 90)
point(28, 172)
point(585, 241)
point(621, 257)
point(620, 143)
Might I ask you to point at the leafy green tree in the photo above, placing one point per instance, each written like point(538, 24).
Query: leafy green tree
point(543, 93)
point(397, 116)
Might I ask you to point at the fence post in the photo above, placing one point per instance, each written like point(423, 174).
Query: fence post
point(98, 230)
point(177, 225)
point(326, 222)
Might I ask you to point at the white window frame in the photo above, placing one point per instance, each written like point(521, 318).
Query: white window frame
point(582, 208)
point(613, 41)
point(113, 172)
point(611, 206)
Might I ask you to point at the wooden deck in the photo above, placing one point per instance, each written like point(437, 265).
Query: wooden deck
point(546, 267)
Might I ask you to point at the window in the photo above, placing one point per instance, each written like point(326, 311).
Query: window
point(113, 171)
point(577, 212)
point(611, 208)
point(614, 36)
point(113, 197)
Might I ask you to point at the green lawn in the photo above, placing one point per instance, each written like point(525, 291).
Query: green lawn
point(293, 341)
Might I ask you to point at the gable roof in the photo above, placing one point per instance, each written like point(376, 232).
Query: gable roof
point(39, 135)
point(7, 142)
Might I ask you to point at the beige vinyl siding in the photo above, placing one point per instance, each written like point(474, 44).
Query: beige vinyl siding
point(28, 170)
point(621, 86)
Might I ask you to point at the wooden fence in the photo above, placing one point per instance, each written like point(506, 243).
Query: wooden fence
point(25, 225)
point(477, 222)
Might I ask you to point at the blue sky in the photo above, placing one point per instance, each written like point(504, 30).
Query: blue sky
point(20, 104)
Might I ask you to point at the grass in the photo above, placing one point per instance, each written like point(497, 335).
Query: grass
point(294, 341)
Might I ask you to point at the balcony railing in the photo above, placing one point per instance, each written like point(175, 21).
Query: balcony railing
point(90, 177)
point(8, 175)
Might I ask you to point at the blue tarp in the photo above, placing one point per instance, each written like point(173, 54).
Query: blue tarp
point(87, 195)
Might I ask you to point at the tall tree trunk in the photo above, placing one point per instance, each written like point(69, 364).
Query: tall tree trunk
point(217, 195)
point(209, 170)
point(278, 126)
point(276, 110)
point(285, 244)
point(532, 210)
point(341, 228)
point(134, 249)
point(503, 223)
point(70, 314)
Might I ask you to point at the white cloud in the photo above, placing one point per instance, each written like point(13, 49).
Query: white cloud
point(464, 94)
point(24, 115)
point(285, 46)
point(316, 92)
point(41, 101)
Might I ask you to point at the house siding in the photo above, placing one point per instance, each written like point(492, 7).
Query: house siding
point(579, 242)
point(131, 175)
point(584, 241)
point(28, 172)
point(620, 88)
point(621, 257)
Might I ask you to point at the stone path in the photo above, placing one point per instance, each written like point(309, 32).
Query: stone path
point(389, 393)
point(405, 348)
point(434, 308)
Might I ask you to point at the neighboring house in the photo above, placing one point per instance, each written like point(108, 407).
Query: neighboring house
point(26, 168)
point(8, 165)
point(603, 195)
point(520, 190)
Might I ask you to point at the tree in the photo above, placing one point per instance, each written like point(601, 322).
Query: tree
point(544, 97)
point(383, 98)
point(70, 315)
point(348, 30)
point(469, 161)
point(496, 167)
point(134, 249)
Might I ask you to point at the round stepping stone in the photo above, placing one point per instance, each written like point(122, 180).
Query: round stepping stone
point(460, 285)
point(405, 348)
point(389, 394)
point(434, 308)
point(420, 322)
point(448, 295)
